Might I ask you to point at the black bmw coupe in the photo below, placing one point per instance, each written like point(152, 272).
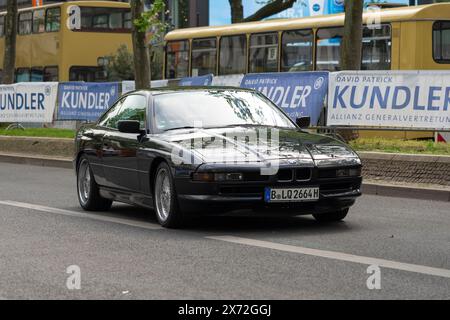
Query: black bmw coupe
point(212, 151)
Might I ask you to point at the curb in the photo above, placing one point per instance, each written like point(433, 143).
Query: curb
point(386, 190)
point(41, 161)
point(369, 188)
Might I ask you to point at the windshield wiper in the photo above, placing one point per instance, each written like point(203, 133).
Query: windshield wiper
point(180, 128)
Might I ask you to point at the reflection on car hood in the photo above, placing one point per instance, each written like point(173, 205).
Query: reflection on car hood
point(256, 144)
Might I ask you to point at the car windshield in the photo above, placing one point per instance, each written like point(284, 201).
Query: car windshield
point(216, 109)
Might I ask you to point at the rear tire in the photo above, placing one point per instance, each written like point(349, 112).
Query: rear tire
point(165, 198)
point(87, 189)
point(331, 216)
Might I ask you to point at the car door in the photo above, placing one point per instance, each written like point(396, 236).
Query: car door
point(95, 148)
point(120, 149)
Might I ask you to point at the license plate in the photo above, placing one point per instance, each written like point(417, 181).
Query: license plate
point(292, 194)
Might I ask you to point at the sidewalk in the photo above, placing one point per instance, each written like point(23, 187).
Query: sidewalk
point(370, 187)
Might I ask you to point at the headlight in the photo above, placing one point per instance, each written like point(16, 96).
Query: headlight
point(220, 177)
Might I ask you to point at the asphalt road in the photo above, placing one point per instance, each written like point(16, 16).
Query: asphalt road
point(124, 254)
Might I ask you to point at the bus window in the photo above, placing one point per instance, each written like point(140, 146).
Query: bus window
point(86, 74)
point(22, 75)
point(376, 48)
point(37, 74)
point(204, 56)
point(127, 20)
point(2, 26)
point(105, 19)
point(38, 21)
point(441, 41)
point(233, 51)
point(52, 19)
point(263, 53)
point(25, 19)
point(177, 59)
point(328, 52)
point(51, 74)
point(297, 50)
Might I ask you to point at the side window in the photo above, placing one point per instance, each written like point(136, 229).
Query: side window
point(109, 118)
point(297, 49)
point(376, 48)
point(37, 74)
point(104, 19)
point(328, 52)
point(51, 74)
point(53, 19)
point(38, 21)
point(22, 75)
point(134, 107)
point(25, 19)
point(441, 41)
point(263, 53)
point(233, 53)
point(204, 56)
point(177, 59)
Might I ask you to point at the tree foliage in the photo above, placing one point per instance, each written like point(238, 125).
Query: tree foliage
point(120, 65)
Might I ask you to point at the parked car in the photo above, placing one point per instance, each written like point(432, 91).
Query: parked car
point(183, 151)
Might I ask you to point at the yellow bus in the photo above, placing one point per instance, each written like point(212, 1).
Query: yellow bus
point(404, 38)
point(47, 50)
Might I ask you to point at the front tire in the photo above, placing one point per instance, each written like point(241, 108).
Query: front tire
point(166, 206)
point(331, 216)
point(87, 189)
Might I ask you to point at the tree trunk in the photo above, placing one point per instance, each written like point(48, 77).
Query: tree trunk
point(9, 61)
point(237, 11)
point(352, 41)
point(140, 49)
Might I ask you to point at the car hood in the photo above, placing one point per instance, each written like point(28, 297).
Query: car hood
point(260, 144)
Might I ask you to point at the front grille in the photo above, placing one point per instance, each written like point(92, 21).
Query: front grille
point(285, 175)
point(303, 174)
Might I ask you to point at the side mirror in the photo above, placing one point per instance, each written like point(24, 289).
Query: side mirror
point(303, 122)
point(129, 126)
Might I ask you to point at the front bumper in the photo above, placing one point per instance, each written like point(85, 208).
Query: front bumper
point(218, 198)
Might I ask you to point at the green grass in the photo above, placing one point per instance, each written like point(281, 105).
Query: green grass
point(39, 132)
point(361, 144)
point(401, 146)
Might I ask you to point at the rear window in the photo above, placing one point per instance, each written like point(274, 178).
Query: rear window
point(441, 41)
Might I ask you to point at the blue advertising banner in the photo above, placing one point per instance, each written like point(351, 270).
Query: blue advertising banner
point(85, 101)
point(196, 81)
point(297, 93)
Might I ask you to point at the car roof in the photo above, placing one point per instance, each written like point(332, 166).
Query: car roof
point(165, 90)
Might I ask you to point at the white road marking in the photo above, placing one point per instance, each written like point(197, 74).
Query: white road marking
point(337, 256)
point(249, 242)
point(128, 222)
